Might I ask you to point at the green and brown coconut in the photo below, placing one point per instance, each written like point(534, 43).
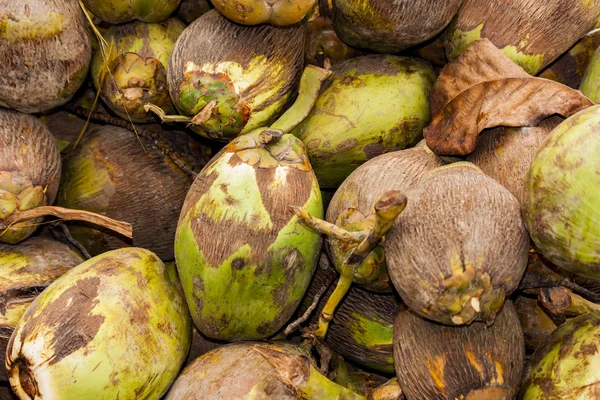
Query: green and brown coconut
point(45, 48)
point(370, 105)
point(459, 248)
point(244, 259)
point(475, 362)
point(118, 318)
point(256, 370)
point(391, 26)
point(274, 12)
point(566, 365)
point(26, 269)
point(116, 173)
point(30, 167)
point(228, 79)
point(531, 33)
point(120, 11)
point(135, 69)
point(562, 207)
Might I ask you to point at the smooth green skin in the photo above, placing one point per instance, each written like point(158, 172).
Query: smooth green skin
point(372, 332)
point(460, 40)
point(590, 84)
point(358, 110)
point(120, 11)
point(145, 39)
point(242, 301)
point(141, 344)
point(567, 364)
point(562, 208)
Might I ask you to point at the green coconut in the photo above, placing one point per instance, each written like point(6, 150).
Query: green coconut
point(120, 11)
point(567, 364)
point(26, 269)
point(531, 33)
point(228, 79)
point(115, 326)
point(391, 26)
point(460, 246)
point(562, 207)
point(589, 84)
point(370, 105)
point(135, 72)
point(244, 259)
point(45, 48)
point(256, 370)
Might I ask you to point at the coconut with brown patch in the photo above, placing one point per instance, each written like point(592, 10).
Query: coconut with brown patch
point(391, 26)
point(45, 48)
point(120, 11)
point(117, 318)
point(262, 370)
point(274, 12)
point(323, 46)
point(459, 248)
point(566, 365)
point(134, 72)
point(244, 259)
point(370, 105)
point(123, 176)
point(475, 362)
point(228, 79)
point(26, 269)
point(531, 33)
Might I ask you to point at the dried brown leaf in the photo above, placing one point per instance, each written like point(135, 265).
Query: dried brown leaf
point(510, 102)
point(480, 62)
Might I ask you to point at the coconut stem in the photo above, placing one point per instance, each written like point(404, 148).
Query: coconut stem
point(310, 86)
point(561, 301)
point(327, 228)
point(387, 208)
point(164, 117)
point(122, 228)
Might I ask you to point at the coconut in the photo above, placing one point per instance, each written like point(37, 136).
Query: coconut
point(262, 370)
point(323, 46)
point(505, 154)
point(120, 11)
point(566, 365)
point(391, 26)
point(274, 12)
point(135, 71)
point(531, 33)
point(26, 269)
point(589, 83)
point(228, 79)
point(191, 10)
point(118, 174)
point(459, 248)
point(475, 362)
point(45, 48)
point(562, 207)
point(244, 279)
point(117, 318)
point(535, 322)
point(30, 168)
point(352, 205)
point(571, 66)
point(370, 105)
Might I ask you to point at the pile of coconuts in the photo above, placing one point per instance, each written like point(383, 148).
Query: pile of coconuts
point(305, 199)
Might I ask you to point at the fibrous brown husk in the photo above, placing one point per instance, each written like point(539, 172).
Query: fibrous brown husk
point(459, 247)
point(475, 362)
point(118, 174)
point(45, 48)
